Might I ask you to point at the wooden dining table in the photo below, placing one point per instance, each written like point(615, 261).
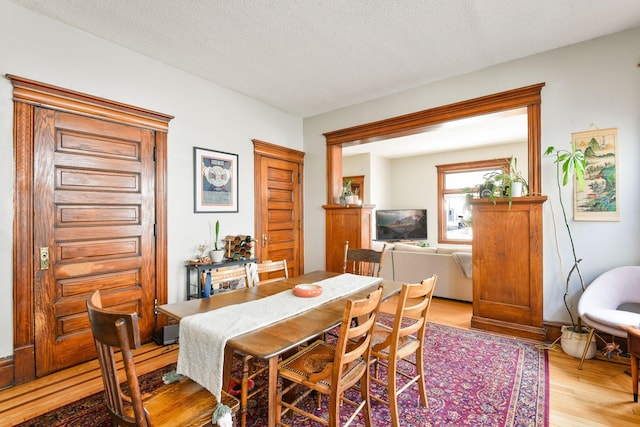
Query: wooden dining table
point(272, 341)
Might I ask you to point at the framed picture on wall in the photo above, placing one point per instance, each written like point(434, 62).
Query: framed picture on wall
point(598, 199)
point(215, 181)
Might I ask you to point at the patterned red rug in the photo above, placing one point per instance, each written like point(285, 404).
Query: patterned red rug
point(473, 379)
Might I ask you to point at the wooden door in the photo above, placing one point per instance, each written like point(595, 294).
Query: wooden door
point(94, 181)
point(507, 266)
point(351, 224)
point(278, 196)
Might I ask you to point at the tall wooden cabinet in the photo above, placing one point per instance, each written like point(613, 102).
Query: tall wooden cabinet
point(352, 223)
point(507, 266)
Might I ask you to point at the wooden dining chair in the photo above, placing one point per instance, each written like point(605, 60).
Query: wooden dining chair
point(365, 262)
point(332, 370)
point(271, 271)
point(243, 383)
point(181, 403)
point(405, 338)
point(230, 278)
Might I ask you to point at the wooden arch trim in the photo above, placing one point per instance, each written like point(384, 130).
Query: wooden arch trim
point(413, 123)
point(27, 95)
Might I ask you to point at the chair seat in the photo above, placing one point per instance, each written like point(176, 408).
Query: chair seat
point(381, 333)
point(194, 405)
point(313, 360)
point(613, 318)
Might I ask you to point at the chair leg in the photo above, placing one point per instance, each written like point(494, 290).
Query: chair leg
point(634, 377)
point(364, 395)
point(278, 408)
point(420, 372)
point(586, 347)
point(244, 391)
point(334, 408)
point(392, 388)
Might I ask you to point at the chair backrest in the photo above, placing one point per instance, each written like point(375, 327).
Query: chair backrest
point(611, 289)
point(354, 339)
point(232, 277)
point(365, 262)
point(115, 330)
point(410, 318)
point(265, 271)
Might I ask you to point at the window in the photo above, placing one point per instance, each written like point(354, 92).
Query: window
point(455, 181)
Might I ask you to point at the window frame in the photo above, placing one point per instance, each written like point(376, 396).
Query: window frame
point(443, 170)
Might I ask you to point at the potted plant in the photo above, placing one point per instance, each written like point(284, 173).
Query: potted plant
point(217, 255)
point(570, 163)
point(508, 183)
point(346, 191)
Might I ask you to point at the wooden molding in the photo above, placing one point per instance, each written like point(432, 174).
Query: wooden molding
point(277, 152)
point(6, 372)
point(421, 121)
point(57, 98)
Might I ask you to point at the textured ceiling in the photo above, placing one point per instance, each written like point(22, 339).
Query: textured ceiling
point(308, 57)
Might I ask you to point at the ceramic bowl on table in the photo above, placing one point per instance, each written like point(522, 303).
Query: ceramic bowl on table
point(307, 291)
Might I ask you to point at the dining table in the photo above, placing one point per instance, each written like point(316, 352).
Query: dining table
point(271, 341)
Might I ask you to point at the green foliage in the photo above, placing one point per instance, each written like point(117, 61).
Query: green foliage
point(501, 183)
point(346, 187)
point(215, 242)
point(569, 163)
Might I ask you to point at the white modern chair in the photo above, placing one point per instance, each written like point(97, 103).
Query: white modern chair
point(610, 301)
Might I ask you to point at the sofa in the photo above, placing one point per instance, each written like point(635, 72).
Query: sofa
point(412, 263)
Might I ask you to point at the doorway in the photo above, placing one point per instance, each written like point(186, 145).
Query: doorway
point(528, 97)
point(278, 203)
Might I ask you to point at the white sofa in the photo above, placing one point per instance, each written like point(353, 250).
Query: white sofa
point(412, 263)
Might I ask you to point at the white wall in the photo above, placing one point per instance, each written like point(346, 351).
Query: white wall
point(206, 115)
point(412, 182)
point(592, 82)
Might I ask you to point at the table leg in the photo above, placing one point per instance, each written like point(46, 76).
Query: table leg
point(634, 376)
point(272, 390)
point(226, 367)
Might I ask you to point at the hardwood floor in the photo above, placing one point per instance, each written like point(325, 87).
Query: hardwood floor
point(597, 395)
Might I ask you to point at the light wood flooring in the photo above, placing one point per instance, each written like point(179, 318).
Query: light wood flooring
point(597, 395)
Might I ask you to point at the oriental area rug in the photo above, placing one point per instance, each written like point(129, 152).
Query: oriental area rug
point(473, 378)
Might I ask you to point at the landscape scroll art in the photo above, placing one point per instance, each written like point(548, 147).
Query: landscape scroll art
point(598, 198)
point(215, 181)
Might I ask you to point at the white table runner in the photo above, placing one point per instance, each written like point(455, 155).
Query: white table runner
point(203, 336)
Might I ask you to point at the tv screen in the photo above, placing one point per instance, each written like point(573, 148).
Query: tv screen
point(401, 224)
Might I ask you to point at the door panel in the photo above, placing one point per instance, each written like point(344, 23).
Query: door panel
point(282, 227)
point(279, 205)
point(94, 182)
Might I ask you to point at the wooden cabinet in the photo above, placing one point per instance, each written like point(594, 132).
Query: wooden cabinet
point(507, 266)
point(351, 223)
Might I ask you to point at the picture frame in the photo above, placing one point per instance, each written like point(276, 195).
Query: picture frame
point(215, 181)
point(598, 198)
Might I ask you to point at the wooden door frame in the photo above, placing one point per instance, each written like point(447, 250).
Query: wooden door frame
point(265, 149)
point(421, 121)
point(27, 95)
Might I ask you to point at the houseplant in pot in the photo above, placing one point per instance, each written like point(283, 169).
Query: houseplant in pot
point(570, 163)
point(508, 183)
point(217, 254)
point(346, 191)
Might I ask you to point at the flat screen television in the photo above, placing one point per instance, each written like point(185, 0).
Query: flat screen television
point(401, 224)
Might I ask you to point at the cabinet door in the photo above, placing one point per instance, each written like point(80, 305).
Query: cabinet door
point(507, 267)
point(352, 224)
